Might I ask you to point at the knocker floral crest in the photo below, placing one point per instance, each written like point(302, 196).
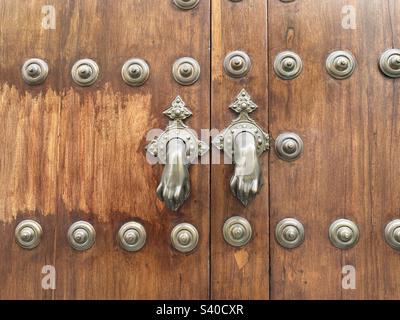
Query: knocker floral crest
point(176, 147)
point(244, 140)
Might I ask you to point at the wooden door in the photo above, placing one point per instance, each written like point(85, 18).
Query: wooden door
point(239, 273)
point(72, 153)
point(349, 167)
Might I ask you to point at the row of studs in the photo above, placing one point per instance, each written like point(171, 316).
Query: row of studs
point(343, 233)
point(289, 233)
point(237, 232)
point(288, 65)
point(81, 235)
point(186, 71)
point(135, 72)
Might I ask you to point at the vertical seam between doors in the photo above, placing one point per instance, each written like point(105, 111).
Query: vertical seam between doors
point(210, 158)
point(270, 238)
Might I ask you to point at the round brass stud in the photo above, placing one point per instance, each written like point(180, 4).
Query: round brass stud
point(237, 64)
point(132, 236)
point(184, 237)
point(34, 71)
point(289, 146)
point(392, 234)
point(186, 4)
point(135, 72)
point(288, 65)
point(85, 72)
point(289, 233)
point(390, 63)
point(28, 234)
point(186, 71)
point(81, 235)
point(340, 64)
point(343, 233)
point(237, 231)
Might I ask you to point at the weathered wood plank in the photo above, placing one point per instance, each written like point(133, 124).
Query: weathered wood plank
point(239, 273)
point(348, 169)
point(74, 153)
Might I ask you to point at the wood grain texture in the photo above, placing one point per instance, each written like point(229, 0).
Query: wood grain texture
point(238, 273)
point(29, 118)
point(350, 165)
point(71, 153)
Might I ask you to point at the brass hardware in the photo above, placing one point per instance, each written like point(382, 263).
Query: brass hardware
point(289, 233)
point(85, 72)
point(34, 71)
point(186, 71)
point(81, 235)
point(184, 237)
point(135, 72)
point(28, 234)
point(343, 233)
point(288, 146)
point(390, 63)
point(392, 234)
point(340, 64)
point(237, 231)
point(177, 147)
point(186, 4)
point(237, 64)
point(288, 65)
point(132, 236)
point(244, 141)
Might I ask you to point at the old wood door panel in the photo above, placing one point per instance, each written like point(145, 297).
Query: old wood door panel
point(71, 153)
point(30, 118)
point(349, 168)
point(238, 273)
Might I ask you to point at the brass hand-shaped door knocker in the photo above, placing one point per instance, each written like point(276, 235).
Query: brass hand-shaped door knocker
point(176, 147)
point(244, 141)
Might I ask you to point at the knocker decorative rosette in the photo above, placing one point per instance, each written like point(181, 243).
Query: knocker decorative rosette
point(176, 147)
point(244, 141)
